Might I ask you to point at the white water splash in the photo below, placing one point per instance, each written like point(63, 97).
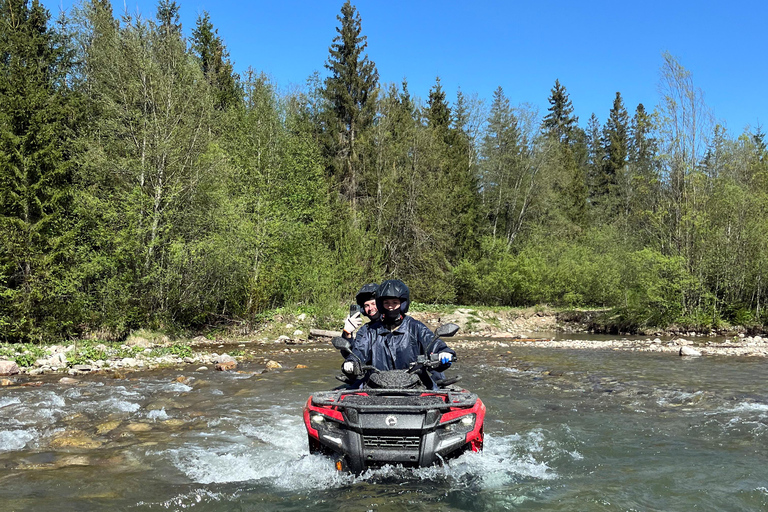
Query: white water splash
point(279, 456)
point(158, 414)
point(10, 400)
point(13, 440)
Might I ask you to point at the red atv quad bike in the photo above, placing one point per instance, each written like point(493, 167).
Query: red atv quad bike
point(395, 417)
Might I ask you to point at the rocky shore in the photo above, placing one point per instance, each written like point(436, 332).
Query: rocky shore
point(506, 328)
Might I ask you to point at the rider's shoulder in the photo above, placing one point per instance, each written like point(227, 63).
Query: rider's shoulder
point(414, 325)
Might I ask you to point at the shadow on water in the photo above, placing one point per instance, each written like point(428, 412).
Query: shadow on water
point(566, 430)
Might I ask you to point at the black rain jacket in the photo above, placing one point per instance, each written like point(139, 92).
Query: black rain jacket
point(397, 349)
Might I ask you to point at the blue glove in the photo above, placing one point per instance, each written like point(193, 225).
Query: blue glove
point(445, 358)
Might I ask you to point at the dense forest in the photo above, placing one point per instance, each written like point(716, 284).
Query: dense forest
point(143, 183)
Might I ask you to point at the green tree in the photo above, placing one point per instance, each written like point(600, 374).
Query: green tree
point(151, 171)
point(350, 92)
point(645, 199)
point(438, 112)
point(214, 60)
point(609, 193)
point(168, 18)
point(36, 128)
point(560, 122)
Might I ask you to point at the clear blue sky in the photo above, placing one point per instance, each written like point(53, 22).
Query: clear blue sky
point(594, 47)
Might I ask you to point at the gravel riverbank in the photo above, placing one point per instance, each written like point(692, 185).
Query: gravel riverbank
point(507, 328)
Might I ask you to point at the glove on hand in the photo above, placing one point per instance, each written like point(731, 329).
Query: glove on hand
point(445, 358)
point(352, 322)
point(351, 369)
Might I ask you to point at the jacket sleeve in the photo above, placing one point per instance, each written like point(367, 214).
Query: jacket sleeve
point(362, 346)
point(426, 336)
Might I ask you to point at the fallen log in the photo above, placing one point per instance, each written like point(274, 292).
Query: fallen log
point(320, 333)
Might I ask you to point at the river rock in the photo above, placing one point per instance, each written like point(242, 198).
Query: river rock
point(57, 360)
point(226, 366)
point(105, 428)
point(75, 439)
point(225, 362)
point(139, 427)
point(302, 317)
point(68, 380)
point(7, 382)
point(300, 366)
point(9, 368)
point(689, 352)
point(273, 365)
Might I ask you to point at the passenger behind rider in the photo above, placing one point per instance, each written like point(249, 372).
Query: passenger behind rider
point(396, 340)
point(366, 300)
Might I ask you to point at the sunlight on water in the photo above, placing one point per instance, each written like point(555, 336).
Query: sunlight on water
point(11, 400)
point(13, 440)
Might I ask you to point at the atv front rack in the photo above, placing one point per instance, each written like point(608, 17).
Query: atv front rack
point(391, 400)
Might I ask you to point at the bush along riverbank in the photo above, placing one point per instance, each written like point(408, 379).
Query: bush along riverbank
point(224, 348)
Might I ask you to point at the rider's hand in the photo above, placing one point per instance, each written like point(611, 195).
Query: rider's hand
point(350, 369)
point(352, 322)
point(446, 358)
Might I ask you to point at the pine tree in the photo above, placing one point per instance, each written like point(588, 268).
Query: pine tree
point(609, 193)
point(560, 122)
point(168, 17)
point(350, 92)
point(644, 178)
point(35, 172)
point(214, 60)
point(437, 113)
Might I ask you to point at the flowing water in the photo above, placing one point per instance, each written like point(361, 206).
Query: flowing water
point(565, 430)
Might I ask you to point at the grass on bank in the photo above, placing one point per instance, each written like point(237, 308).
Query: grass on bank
point(272, 324)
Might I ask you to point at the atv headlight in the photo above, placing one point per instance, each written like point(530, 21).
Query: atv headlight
point(327, 428)
point(461, 426)
point(455, 432)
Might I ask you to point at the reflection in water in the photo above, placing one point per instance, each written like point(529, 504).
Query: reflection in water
point(566, 430)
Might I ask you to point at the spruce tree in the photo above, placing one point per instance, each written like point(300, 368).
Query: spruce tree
point(35, 173)
point(610, 193)
point(214, 61)
point(438, 113)
point(560, 122)
point(168, 17)
point(350, 92)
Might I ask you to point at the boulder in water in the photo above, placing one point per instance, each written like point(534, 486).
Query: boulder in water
point(689, 351)
point(225, 362)
point(9, 368)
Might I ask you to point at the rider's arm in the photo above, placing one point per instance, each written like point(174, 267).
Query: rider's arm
point(361, 347)
point(426, 337)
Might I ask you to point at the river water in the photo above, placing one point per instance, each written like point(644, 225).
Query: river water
point(565, 430)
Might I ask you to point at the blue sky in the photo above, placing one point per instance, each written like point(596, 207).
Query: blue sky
point(595, 48)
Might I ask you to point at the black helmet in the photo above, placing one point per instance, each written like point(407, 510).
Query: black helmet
point(394, 288)
point(366, 293)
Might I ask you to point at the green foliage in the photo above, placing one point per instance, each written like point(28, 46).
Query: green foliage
point(177, 349)
point(37, 116)
point(24, 354)
point(143, 185)
point(350, 99)
point(86, 353)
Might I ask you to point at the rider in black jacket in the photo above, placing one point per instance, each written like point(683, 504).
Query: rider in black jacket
point(394, 342)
